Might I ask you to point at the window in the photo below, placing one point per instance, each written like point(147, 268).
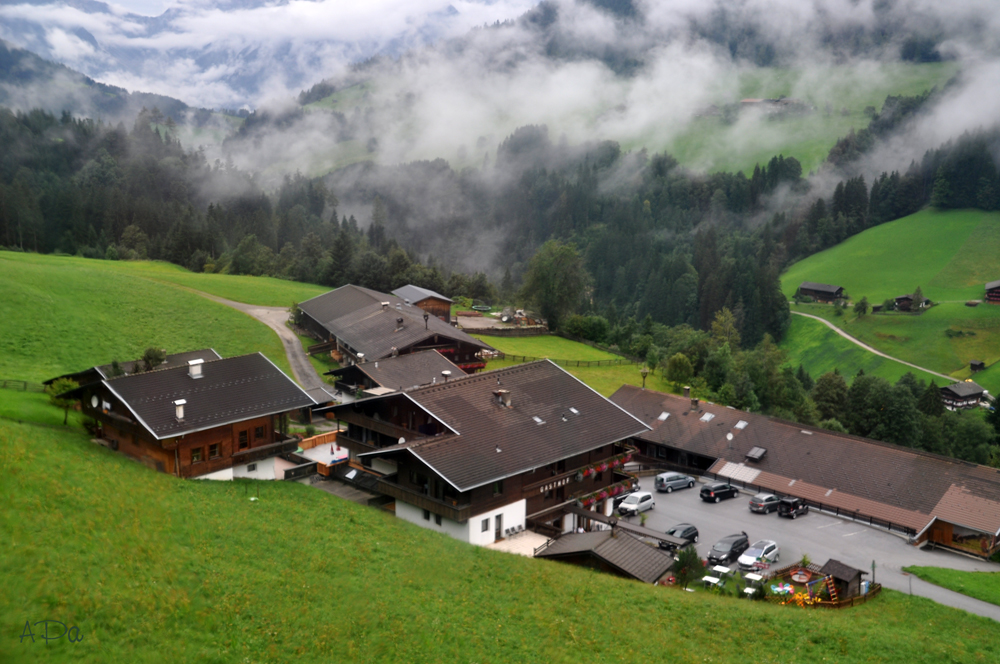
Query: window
point(548, 494)
point(661, 452)
point(437, 519)
point(498, 488)
point(427, 515)
point(196, 455)
point(486, 524)
point(251, 468)
point(258, 433)
point(213, 451)
point(244, 440)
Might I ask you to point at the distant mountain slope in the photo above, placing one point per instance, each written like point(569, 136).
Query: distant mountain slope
point(28, 81)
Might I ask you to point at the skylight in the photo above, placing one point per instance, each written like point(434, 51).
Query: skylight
point(574, 410)
point(707, 417)
point(663, 416)
point(741, 425)
point(538, 420)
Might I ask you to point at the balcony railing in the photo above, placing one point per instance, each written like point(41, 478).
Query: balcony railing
point(446, 508)
point(354, 444)
point(380, 426)
point(264, 451)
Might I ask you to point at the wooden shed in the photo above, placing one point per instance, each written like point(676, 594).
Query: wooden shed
point(993, 292)
point(846, 578)
point(821, 292)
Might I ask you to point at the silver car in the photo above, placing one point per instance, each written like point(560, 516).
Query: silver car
point(670, 481)
point(640, 501)
point(760, 554)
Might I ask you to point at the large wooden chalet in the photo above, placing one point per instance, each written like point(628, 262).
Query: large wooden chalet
point(433, 303)
point(480, 455)
point(362, 325)
point(821, 292)
point(962, 395)
point(954, 503)
point(196, 419)
point(993, 292)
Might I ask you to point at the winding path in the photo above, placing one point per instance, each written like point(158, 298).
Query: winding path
point(868, 348)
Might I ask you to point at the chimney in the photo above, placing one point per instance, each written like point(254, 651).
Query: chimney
point(395, 352)
point(426, 317)
point(194, 368)
point(399, 324)
point(385, 306)
point(687, 392)
point(503, 398)
point(179, 407)
point(446, 375)
point(361, 358)
point(694, 404)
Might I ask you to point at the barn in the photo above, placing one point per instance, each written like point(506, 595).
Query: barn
point(821, 292)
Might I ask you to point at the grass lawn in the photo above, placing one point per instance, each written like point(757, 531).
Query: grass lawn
point(820, 350)
point(65, 314)
point(981, 585)
point(322, 362)
point(950, 255)
point(155, 569)
point(547, 345)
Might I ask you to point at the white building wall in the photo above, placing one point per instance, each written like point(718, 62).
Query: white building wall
point(266, 469)
point(471, 531)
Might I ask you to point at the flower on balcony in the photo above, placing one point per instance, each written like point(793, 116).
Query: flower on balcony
point(628, 457)
point(603, 466)
point(602, 495)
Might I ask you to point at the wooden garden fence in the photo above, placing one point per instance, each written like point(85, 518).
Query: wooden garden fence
point(20, 385)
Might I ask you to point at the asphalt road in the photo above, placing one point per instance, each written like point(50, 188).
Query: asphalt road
point(822, 537)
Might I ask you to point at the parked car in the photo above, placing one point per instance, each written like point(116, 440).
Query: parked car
point(620, 498)
point(713, 493)
point(682, 531)
point(728, 549)
point(670, 481)
point(764, 503)
point(761, 551)
point(792, 507)
point(640, 501)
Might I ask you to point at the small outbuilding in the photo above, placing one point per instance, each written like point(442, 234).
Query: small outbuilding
point(846, 578)
point(977, 365)
point(906, 303)
point(613, 551)
point(821, 292)
point(430, 301)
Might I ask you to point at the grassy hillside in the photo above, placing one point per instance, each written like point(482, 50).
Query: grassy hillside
point(950, 255)
point(154, 569)
point(820, 350)
point(547, 345)
point(981, 585)
point(66, 314)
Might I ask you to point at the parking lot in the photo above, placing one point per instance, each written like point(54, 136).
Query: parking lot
point(819, 535)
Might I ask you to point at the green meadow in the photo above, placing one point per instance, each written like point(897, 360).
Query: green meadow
point(151, 568)
point(981, 585)
point(950, 255)
point(547, 345)
point(65, 314)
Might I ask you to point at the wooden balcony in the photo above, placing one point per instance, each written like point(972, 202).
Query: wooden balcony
point(354, 444)
point(379, 426)
point(264, 451)
point(447, 509)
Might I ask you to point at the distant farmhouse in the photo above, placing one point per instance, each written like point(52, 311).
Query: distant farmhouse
point(433, 303)
point(361, 325)
point(221, 417)
point(962, 395)
point(993, 292)
point(426, 367)
point(482, 456)
point(821, 292)
point(927, 497)
point(906, 303)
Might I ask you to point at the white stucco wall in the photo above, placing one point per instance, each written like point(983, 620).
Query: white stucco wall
point(472, 531)
point(265, 470)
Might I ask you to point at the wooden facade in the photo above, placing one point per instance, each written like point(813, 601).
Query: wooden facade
point(993, 292)
point(436, 307)
point(821, 292)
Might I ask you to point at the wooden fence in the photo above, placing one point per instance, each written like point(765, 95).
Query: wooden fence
point(319, 439)
point(565, 363)
point(20, 385)
point(509, 331)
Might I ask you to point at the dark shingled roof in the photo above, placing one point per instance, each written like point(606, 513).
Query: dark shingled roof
point(538, 390)
point(889, 482)
point(175, 360)
point(963, 388)
point(823, 288)
point(840, 571)
point(355, 315)
point(415, 294)
point(404, 371)
point(621, 551)
point(230, 390)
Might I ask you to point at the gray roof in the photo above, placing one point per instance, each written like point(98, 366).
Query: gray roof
point(94, 374)
point(839, 570)
point(355, 316)
point(230, 390)
point(964, 388)
point(415, 294)
point(621, 551)
point(404, 371)
point(541, 390)
point(993, 284)
point(825, 288)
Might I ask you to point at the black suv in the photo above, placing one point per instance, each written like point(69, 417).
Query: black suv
point(728, 549)
point(792, 507)
point(683, 534)
point(713, 493)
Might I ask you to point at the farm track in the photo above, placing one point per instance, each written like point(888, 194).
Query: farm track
point(858, 342)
